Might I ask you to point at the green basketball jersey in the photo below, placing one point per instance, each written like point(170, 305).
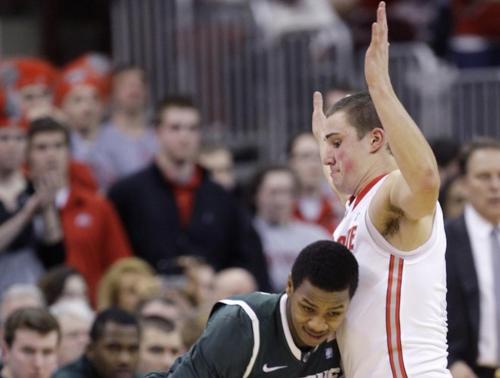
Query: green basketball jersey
point(249, 336)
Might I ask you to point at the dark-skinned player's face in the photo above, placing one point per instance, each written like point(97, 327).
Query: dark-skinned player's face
point(314, 314)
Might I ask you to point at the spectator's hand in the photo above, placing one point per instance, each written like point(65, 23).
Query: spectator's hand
point(377, 55)
point(32, 205)
point(460, 369)
point(46, 187)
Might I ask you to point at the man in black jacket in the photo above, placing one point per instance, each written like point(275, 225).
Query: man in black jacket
point(172, 208)
point(473, 266)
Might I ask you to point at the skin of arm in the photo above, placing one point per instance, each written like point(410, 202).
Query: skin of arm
point(11, 228)
point(415, 190)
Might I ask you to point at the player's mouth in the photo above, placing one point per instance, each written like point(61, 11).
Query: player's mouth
point(316, 336)
point(334, 172)
point(495, 201)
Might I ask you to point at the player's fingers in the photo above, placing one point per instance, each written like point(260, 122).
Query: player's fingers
point(382, 20)
point(374, 39)
point(318, 102)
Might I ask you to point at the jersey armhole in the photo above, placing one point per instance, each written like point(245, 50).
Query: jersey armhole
point(255, 330)
point(420, 251)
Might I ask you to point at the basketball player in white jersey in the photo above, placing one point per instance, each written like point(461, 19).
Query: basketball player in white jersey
point(374, 152)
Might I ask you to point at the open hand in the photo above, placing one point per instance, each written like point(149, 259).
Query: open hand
point(377, 55)
point(46, 187)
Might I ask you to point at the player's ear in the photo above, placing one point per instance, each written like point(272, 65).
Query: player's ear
point(289, 285)
point(377, 139)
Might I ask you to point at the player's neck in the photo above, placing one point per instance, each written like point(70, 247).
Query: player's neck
point(367, 180)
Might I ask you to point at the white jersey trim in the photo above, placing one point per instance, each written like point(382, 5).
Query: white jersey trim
point(288, 335)
point(407, 255)
point(255, 329)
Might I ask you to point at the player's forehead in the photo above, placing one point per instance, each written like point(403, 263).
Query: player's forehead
point(338, 125)
point(315, 296)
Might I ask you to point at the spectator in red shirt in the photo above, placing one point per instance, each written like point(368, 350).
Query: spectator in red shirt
point(93, 235)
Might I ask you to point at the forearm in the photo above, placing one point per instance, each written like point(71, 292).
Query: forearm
point(408, 145)
point(10, 229)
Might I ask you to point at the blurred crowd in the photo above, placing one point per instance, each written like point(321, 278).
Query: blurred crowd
point(110, 207)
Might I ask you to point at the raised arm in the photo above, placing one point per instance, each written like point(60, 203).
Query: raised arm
point(415, 190)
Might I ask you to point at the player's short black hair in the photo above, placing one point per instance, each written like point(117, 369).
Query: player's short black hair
point(112, 315)
point(327, 265)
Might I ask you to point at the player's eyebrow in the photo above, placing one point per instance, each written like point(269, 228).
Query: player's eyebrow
point(333, 133)
point(339, 306)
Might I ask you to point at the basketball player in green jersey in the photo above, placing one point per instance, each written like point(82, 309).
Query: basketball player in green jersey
point(279, 335)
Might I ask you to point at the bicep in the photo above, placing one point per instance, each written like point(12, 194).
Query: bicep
point(413, 204)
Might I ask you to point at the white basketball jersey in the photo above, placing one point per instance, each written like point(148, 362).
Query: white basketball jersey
point(396, 323)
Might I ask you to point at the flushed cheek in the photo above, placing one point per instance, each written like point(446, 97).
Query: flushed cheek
point(345, 161)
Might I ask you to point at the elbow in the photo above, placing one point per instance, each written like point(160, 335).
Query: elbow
point(427, 195)
point(429, 183)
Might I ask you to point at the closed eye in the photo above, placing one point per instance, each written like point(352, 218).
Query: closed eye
point(307, 309)
point(333, 314)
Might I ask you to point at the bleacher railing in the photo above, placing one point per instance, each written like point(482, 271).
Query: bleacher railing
point(252, 92)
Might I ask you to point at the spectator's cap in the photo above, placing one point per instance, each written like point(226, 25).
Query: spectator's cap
point(91, 69)
point(98, 64)
point(21, 123)
point(5, 120)
point(18, 73)
point(73, 77)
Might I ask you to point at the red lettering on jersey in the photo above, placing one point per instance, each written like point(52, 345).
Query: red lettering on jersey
point(348, 240)
point(341, 240)
point(350, 237)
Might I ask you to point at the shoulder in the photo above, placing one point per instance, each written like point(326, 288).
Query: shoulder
point(134, 181)
point(253, 308)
